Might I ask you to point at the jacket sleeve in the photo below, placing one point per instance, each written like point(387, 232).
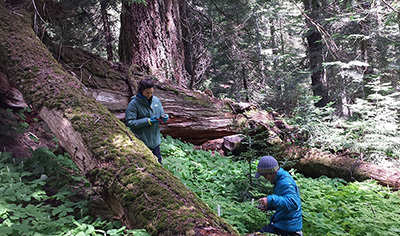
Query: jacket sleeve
point(131, 118)
point(287, 199)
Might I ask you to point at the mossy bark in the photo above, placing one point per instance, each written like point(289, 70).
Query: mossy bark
point(112, 84)
point(120, 167)
point(316, 163)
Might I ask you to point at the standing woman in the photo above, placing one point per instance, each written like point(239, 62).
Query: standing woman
point(143, 115)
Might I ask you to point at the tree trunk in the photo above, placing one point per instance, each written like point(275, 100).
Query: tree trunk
point(274, 45)
point(151, 39)
point(314, 50)
point(120, 167)
point(107, 30)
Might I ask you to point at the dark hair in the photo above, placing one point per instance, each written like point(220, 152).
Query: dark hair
point(146, 83)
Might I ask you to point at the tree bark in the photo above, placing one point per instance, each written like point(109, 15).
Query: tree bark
point(106, 30)
point(314, 51)
point(151, 39)
point(125, 173)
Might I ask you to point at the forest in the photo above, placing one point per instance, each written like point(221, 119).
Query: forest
point(313, 83)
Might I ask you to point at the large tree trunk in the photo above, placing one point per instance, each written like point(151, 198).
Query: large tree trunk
point(126, 174)
point(151, 39)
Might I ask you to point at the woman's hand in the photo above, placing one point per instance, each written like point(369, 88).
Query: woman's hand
point(263, 201)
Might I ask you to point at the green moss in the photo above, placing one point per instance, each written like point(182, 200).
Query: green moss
point(122, 162)
point(75, 118)
point(100, 175)
point(129, 197)
point(151, 229)
point(108, 157)
point(131, 180)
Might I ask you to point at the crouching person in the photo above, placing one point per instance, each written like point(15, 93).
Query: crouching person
point(287, 219)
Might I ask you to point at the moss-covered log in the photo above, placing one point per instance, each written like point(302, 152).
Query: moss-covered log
point(111, 84)
point(316, 163)
point(126, 174)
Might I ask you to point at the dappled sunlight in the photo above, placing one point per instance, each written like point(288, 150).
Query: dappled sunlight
point(122, 141)
point(131, 148)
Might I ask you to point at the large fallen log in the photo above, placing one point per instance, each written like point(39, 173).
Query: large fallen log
point(120, 167)
point(316, 163)
point(198, 118)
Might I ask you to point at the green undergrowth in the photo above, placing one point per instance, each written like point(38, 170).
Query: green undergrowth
point(43, 195)
point(330, 206)
point(336, 207)
point(217, 181)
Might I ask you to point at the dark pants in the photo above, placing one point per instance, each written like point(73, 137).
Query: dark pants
point(156, 151)
point(274, 230)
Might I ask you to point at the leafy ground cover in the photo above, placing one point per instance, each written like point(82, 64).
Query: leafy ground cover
point(40, 196)
point(330, 206)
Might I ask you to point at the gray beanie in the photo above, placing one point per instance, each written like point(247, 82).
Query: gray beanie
point(267, 165)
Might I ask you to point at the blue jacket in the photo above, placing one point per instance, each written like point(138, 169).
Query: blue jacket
point(137, 118)
point(287, 203)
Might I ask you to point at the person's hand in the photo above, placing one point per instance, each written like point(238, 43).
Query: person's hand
point(164, 118)
point(154, 120)
point(263, 201)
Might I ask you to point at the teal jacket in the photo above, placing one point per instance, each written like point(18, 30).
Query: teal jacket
point(287, 203)
point(137, 118)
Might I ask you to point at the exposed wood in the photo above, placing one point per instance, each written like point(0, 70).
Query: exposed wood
point(120, 167)
point(196, 117)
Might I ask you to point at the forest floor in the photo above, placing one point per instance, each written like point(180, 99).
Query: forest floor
point(20, 141)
